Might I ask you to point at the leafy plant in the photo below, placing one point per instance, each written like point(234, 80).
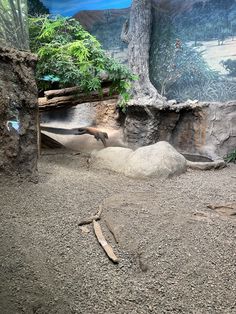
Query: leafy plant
point(231, 157)
point(72, 55)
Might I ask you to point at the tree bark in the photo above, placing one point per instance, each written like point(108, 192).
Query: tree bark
point(18, 114)
point(68, 91)
point(72, 98)
point(138, 34)
point(62, 92)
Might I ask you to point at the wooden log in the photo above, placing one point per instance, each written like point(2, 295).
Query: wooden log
point(73, 100)
point(112, 230)
point(101, 239)
point(62, 92)
point(69, 90)
point(228, 209)
point(43, 101)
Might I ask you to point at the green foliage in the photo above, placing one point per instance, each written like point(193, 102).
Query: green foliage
point(230, 66)
point(13, 24)
point(231, 157)
point(69, 53)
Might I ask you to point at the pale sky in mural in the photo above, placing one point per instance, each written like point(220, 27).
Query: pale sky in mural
point(70, 7)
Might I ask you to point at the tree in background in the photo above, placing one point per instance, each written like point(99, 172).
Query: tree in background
point(13, 24)
point(36, 8)
point(137, 34)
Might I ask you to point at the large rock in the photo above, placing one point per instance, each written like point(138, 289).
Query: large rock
point(111, 158)
point(158, 160)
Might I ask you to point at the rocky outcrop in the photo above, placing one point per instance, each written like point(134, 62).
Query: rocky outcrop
point(102, 115)
point(159, 160)
point(98, 113)
point(204, 128)
point(18, 113)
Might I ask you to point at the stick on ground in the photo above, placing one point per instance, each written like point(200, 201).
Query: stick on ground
point(89, 220)
point(101, 239)
point(112, 230)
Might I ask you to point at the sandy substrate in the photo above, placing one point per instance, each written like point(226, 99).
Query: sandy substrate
point(176, 255)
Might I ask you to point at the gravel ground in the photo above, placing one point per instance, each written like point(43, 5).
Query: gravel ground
point(176, 255)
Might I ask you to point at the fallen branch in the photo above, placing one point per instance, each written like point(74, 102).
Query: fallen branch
point(227, 205)
point(62, 92)
point(48, 142)
point(74, 99)
point(228, 209)
point(89, 220)
point(112, 230)
point(101, 239)
point(70, 90)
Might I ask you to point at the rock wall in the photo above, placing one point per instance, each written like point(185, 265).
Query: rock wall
point(102, 115)
point(18, 113)
point(204, 128)
point(99, 113)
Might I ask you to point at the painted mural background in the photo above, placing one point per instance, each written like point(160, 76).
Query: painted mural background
point(193, 52)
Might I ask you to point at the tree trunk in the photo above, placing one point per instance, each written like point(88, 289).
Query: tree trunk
point(18, 114)
point(138, 34)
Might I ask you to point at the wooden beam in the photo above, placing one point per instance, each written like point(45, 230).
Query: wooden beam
point(74, 99)
point(62, 92)
point(70, 90)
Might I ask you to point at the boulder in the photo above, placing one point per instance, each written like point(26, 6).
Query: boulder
point(111, 158)
point(158, 160)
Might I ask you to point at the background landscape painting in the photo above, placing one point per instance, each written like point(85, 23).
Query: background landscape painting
point(193, 53)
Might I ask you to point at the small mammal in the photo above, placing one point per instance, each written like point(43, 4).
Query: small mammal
point(99, 135)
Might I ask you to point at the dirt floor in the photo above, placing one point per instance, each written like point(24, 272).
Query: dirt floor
point(176, 255)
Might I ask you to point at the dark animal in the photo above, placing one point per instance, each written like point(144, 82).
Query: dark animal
point(99, 135)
